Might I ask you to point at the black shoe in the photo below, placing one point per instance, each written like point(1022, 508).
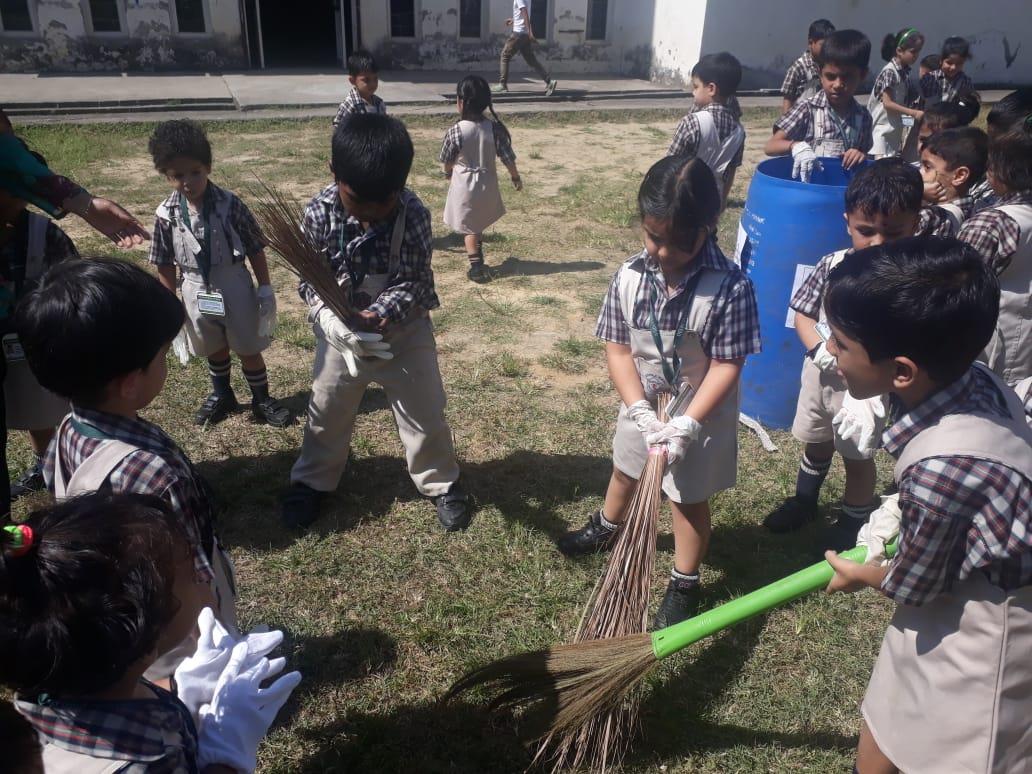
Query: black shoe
point(478, 272)
point(791, 515)
point(841, 536)
point(31, 480)
point(272, 412)
point(301, 505)
point(680, 603)
point(592, 538)
point(453, 510)
point(216, 408)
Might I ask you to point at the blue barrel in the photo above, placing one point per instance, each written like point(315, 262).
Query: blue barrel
point(786, 227)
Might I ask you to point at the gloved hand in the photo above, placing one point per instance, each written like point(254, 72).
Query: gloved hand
point(241, 711)
point(823, 359)
point(676, 435)
point(881, 527)
point(644, 416)
point(181, 348)
point(266, 310)
point(804, 162)
point(862, 421)
point(351, 344)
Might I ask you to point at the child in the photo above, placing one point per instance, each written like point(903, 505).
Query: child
point(895, 95)
point(712, 132)
point(929, 63)
point(1010, 112)
point(951, 162)
point(831, 124)
point(803, 79)
point(468, 154)
point(883, 204)
point(679, 284)
point(948, 81)
point(377, 235)
point(29, 245)
point(951, 688)
point(363, 75)
point(208, 232)
point(96, 332)
point(90, 591)
point(1002, 235)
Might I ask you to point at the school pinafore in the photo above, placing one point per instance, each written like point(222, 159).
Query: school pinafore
point(716, 153)
point(952, 687)
point(1009, 353)
point(474, 200)
point(711, 462)
point(891, 129)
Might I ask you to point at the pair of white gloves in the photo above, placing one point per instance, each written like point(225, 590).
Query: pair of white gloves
point(674, 436)
point(220, 684)
point(266, 323)
point(352, 345)
point(860, 421)
point(804, 162)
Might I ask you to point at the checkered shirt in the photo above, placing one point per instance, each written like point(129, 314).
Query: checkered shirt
point(994, 233)
point(936, 87)
point(810, 295)
point(332, 227)
point(960, 514)
point(934, 221)
point(688, 134)
point(810, 121)
point(150, 736)
point(800, 73)
point(353, 103)
point(732, 329)
point(158, 468)
point(984, 196)
point(162, 249)
point(895, 77)
point(57, 247)
point(452, 145)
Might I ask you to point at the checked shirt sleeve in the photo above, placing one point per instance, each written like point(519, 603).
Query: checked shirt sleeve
point(807, 300)
point(611, 325)
point(162, 252)
point(413, 285)
point(503, 144)
point(735, 324)
point(797, 123)
point(316, 224)
point(995, 235)
point(247, 227)
point(686, 137)
point(451, 146)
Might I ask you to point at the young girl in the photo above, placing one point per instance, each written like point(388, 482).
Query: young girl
point(468, 154)
point(893, 99)
point(681, 318)
point(948, 81)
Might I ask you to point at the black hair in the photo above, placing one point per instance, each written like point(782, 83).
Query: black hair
point(846, 48)
point(180, 137)
point(1013, 109)
point(885, 186)
point(931, 62)
point(956, 46)
point(372, 153)
point(819, 29)
point(91, 321)
point(1010, 157)
point(475, 94)
point(906, 39)
point(723, 69)
point(962, 147)
point(683, 191)
point(92, 594)
point(361, 61)
point(958, 112)
point(932, 300)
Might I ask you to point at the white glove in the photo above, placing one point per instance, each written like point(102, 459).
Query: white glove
point(266, 310)
point(241, 711)
point(862, 421)
point(644, 416)
point(181, 348)
point(677, 435)
point(804, 162)
point(823, 359)
point(352, 345)
point(881, 527)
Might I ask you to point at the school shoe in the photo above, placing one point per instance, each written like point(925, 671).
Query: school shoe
point(216, 408)
point(300, 505)
point(453, 509)
point(272, 412)
point(31, 480)
point(592, 538)
point(478, 272)
point(499, 88)
point(841, 536)
point(680, 603)
point(791, 515)
point(550, 88)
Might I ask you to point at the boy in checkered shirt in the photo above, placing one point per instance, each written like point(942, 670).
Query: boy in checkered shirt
point(952, 688)
point(363, 74)
point(952, 161)
point(832, 123)
point(803, 78)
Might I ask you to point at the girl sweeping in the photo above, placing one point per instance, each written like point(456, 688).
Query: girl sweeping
point(680, 318)
point(895, 94)
point(468, 154)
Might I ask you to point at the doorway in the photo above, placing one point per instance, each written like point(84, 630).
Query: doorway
point(280, 34)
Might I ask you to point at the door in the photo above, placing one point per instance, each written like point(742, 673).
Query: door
point(287, 33)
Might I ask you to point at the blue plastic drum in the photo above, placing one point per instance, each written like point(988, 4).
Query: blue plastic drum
point(786, 228)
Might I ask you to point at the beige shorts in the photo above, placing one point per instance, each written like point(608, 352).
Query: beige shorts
point(820, 398)
point(238, 329)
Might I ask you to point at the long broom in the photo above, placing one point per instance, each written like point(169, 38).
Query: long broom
point(587, 680)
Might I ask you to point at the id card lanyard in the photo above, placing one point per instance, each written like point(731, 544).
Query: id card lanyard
point(671, 367)
point(203, 257)
point(849, 137)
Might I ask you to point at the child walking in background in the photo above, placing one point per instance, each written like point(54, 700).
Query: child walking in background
point(803, 78)
point(363, 74)
point(894, 99)
point(208, 233)
point(679, 317)
point(468, 154)
point(948, 81)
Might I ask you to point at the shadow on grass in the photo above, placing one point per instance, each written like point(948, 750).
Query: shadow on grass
point(523, 267)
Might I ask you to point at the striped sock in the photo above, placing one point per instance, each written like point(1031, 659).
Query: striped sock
point(219, 370)
point(684, 580)
point(258, 381)
point(859, 513)
point(810, 478)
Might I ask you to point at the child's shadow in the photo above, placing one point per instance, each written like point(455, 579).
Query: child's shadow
point(523, 267)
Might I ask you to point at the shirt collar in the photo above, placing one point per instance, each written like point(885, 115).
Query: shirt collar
point(217, 194)
point(1016, 197)
point(709, 257)
point(120, 428)
point(924, 415)
point(331, 199)
point(808, 59)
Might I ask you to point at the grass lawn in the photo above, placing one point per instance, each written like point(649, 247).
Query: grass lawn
point(382, 611)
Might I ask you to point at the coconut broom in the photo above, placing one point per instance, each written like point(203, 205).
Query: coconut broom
point(587, 680)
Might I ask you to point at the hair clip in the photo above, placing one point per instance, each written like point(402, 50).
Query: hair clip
point(22, 539)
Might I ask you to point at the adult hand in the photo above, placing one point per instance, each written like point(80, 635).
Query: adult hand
point(852, 157)
point(862, 422)
point(804, 162)
point(676, 436)
point(266, 310)
point(109, 218)
point(881, 527)
point(351, 345)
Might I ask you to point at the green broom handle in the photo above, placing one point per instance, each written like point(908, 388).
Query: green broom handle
point(668, 641)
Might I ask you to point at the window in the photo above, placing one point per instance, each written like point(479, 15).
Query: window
point(597, 11)
point(539, 18)
point(190, 16)
point(15, 16)
point(104, 16)
point(469, 18)
point(403, 18)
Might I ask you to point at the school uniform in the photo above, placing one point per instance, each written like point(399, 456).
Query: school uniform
point(816, 123)
point(951, 687)
point(714, 135)
point(936, 87)
point(474, 198)
point(353, 103)
point(387, 269)
point(711, 315)
point(94, 450)
point(940, 220)
point(892, 129)
point(1003, 237)
point(220, 299)
point(983, 195)
point(803, 78)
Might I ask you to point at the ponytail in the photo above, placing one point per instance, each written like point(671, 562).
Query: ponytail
point(475, 94)
point(683, 192)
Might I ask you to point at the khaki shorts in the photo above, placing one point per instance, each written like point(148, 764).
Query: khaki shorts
point(820, 398)
point(238, 329)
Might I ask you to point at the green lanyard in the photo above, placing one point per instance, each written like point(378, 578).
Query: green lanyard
point(203, 257)
point(671, 367)
point(849, 137)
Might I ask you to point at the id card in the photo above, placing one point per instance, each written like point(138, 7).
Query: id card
point(12, 348)
point(211, 304)
point(909, 121)
point(823, 330)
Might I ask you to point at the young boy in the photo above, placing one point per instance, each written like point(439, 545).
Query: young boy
point(363, 74)
point(929, 64)
point(712, 131)
point(207, 232)
point(96, 332)
point(951, 688)
point(376, 234)
point(883, 204)
point(803, 79)
point(951, 161)
point(831, 123)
